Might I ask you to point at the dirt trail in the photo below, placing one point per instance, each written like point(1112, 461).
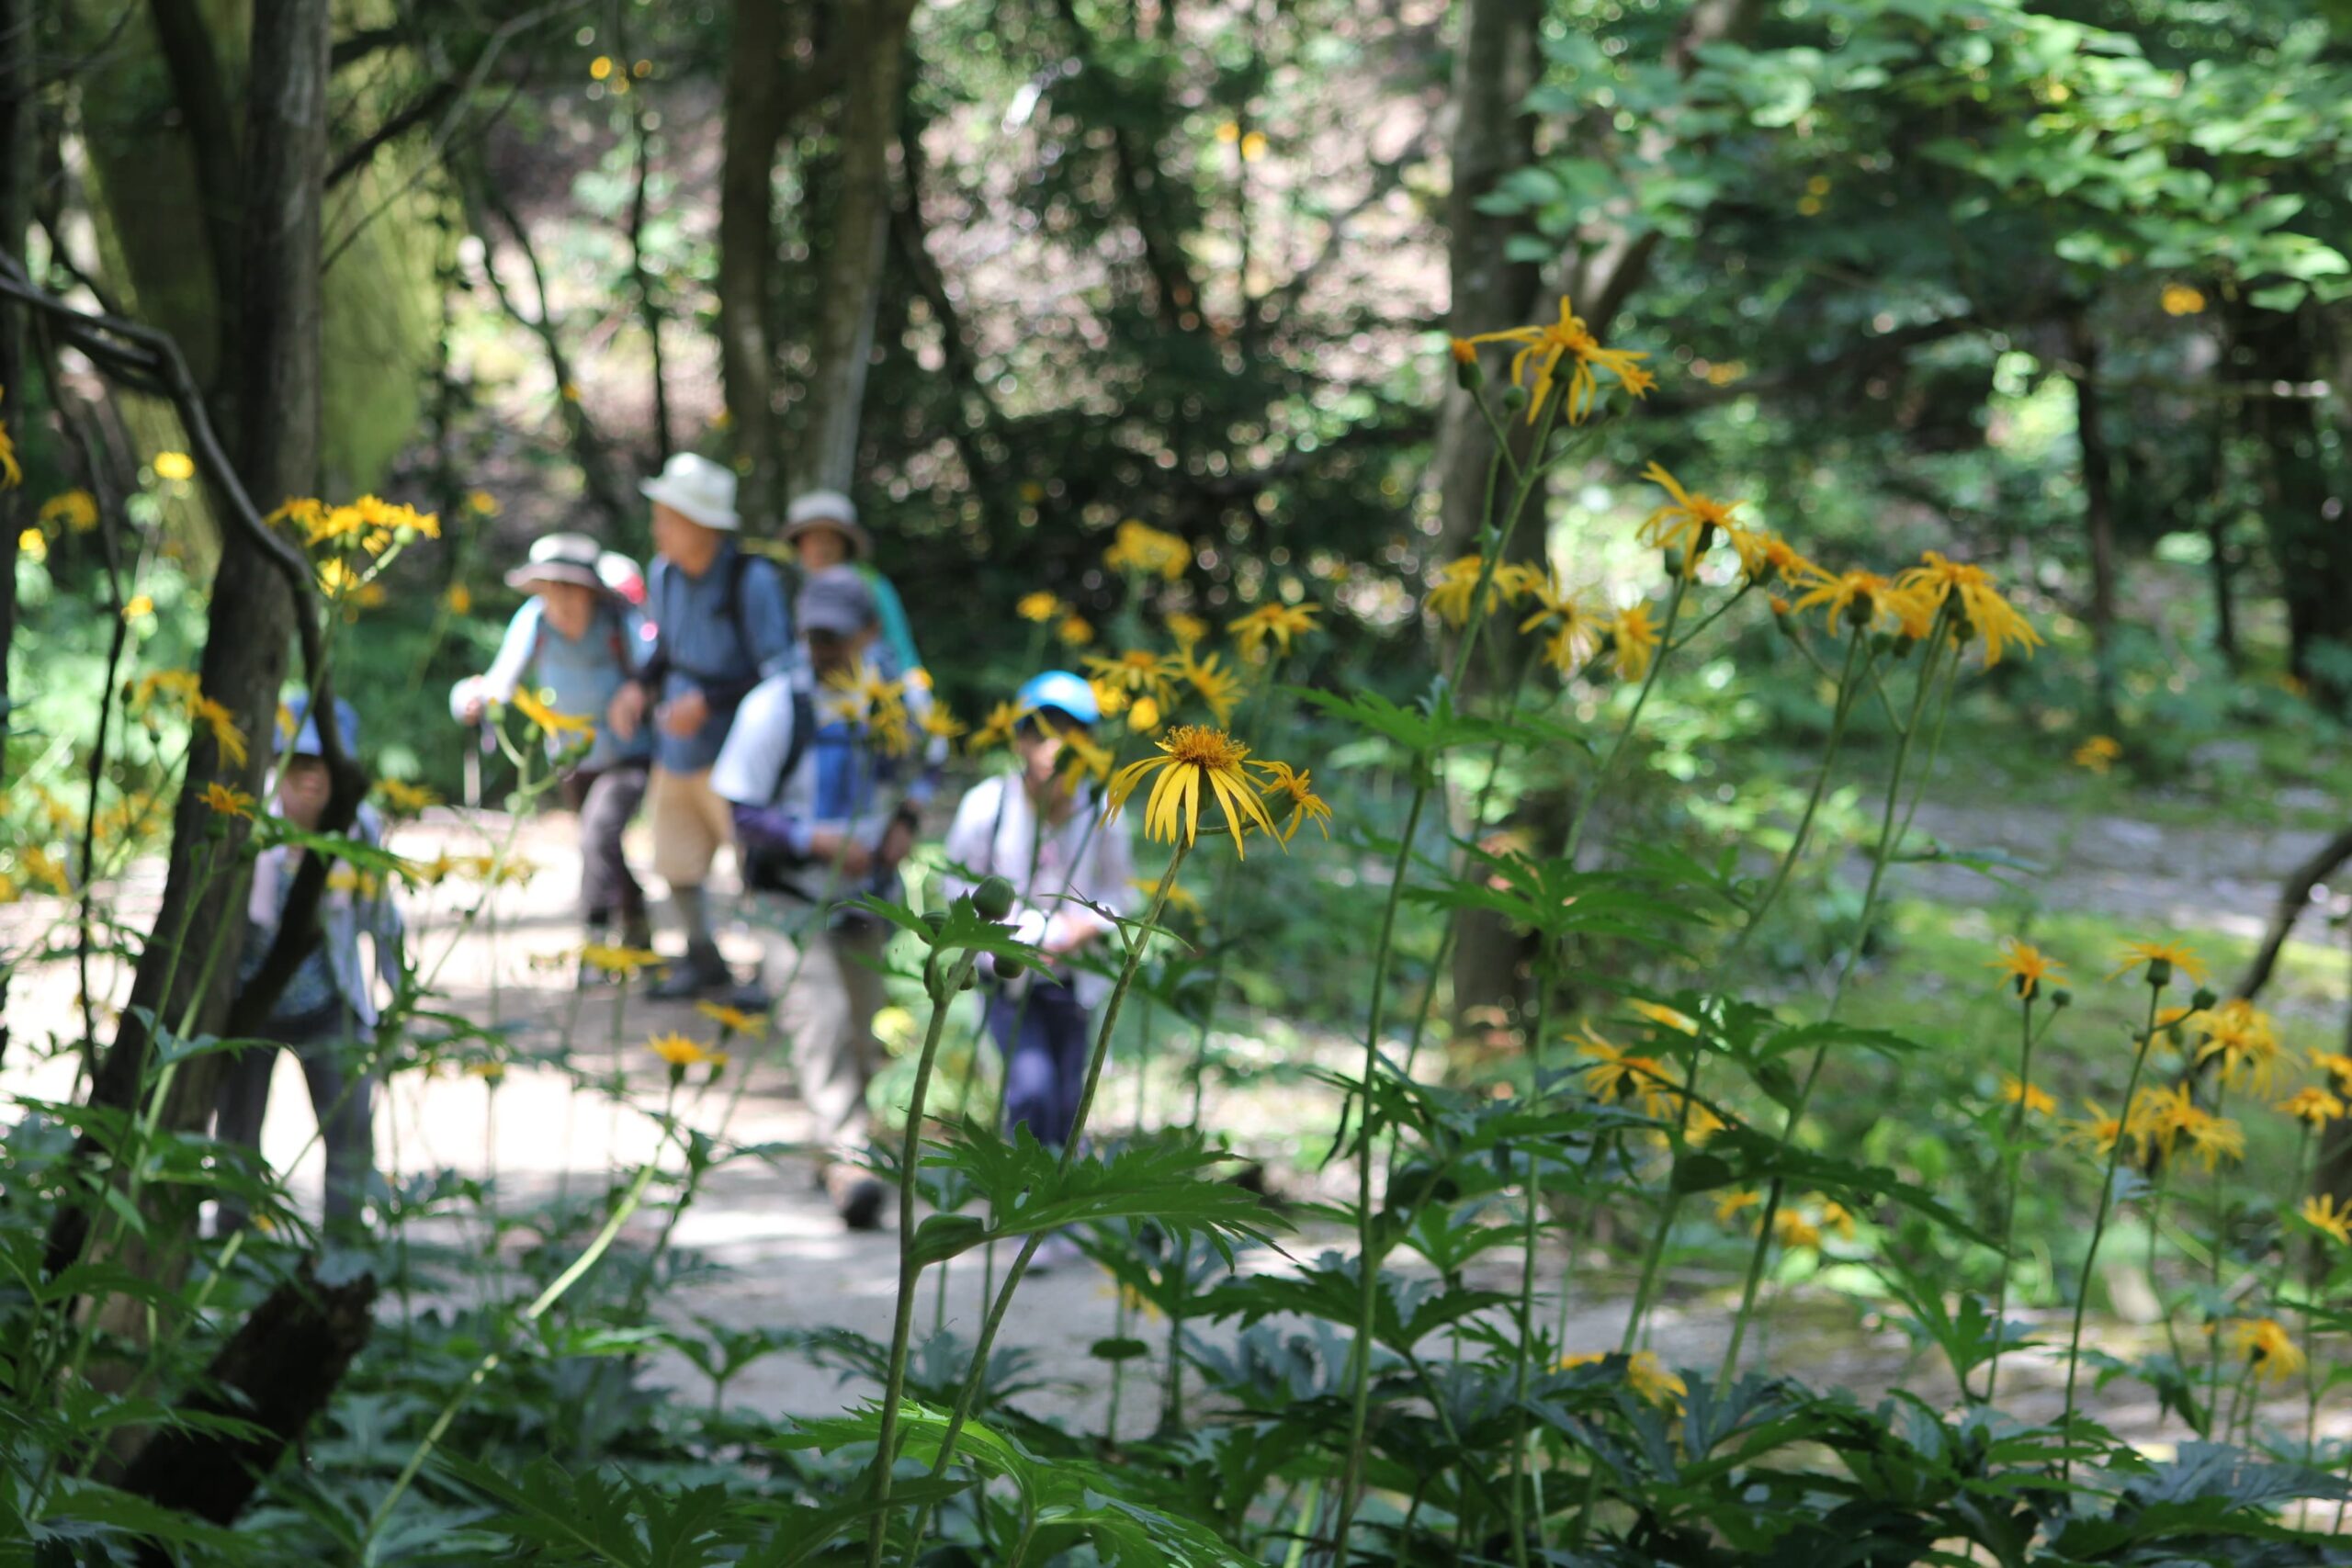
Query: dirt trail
point(783, 1261)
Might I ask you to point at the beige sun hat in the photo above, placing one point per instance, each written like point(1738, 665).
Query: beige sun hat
point(560, 557)
point(828, 509)
point(697, 489)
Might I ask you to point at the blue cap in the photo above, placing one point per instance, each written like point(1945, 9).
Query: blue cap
point(306, 732)
point(1064, 692)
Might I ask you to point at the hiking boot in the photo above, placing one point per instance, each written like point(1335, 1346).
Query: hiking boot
point(637, 931)
point(857, 1196)
point(700, 972)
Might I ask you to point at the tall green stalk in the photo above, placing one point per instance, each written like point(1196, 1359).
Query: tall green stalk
point(2011, 1161)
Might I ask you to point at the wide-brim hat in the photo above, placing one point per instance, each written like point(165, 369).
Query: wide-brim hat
point(697, 489)
point(560, 557)
point(828, 509)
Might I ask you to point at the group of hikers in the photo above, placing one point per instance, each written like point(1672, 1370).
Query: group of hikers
point(724, 703)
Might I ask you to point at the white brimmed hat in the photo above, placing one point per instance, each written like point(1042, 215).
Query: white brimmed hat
point(560, 557)
point(696, 488)
point(827, 509)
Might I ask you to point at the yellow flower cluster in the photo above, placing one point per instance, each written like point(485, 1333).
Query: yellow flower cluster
point(1196, 763)
point(1139, 548)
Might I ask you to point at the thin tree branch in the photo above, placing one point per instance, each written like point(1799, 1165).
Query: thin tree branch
point(419, 109)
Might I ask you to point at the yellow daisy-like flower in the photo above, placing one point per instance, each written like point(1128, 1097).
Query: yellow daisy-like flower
point(405, 798)
point(2338, 1069)
point(2211, 1139)
point(1278, 622)
point(1763, 553)
point(2314, 1108)
point(1664, 1016)
point(682, 1053)
point(1082, 753)
point(1457, 581)
point(2241, 1036)
point(76, 508)
point(2097, 1132)
point(176, 466)
point(227, 800)
point(2026, 965)
point(1645, 1374)
point(1836, 1216)
point(1075, 631)
point(1288, 787)
point(1536, 365)
point(559, 724)
point(2180, 299)
point(2324, 1214)
point(2266, 1346)
point(226, 735)
point(1730, 1205)
point(1688, 522)
point(1992, 617)
point(1793, 1230)
point(1617, 1076)
point(1575, 635)
point(942, 724)
point(1861, 600)
point(1040, 607)
point(1179, 897)
point(1634, 641)
point(2035, 1099)
point(481, 504)
point(734, 1019)
point(1188, 630)
point(2160, 958)
point(2098, 754)
point(1137, 672)
point(1192, 756)
point(1144, 716)
point(612, 959)
point(995, 730)
point(1140, 547)
point(1218, 688)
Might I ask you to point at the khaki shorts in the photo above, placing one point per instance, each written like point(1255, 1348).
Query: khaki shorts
point(690, 823)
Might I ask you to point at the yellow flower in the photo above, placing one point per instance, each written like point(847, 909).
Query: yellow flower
point(481, 504)
point(615, 960)
point(937, 721)
point(229, 800)
point(1188, 630)
point(1082, 753)
point(1192, 756)
point(176, 466)
point(2314, 1108)
point(1574, 634)
point(1179, 897)
point(1144, 717)
point(1735, 1202)
point(1836, 1216)
point(1645, 1374)
point(556, 725)
point(140, 606)
point(1688, 522)
point(1634, 641)
point(2027, 966)
point(1076, 630)
point(2321, 1213)
point(732, 1019)
point(2097, 1133)
point(404, 798)
point(12, 473)
point(33, 546)
point(1664, 1016)
point(459, 599)
point(1138, 672)
point(2242, 1037)
point(1457, 581)
point(490, 1073)
point(1793, 1230)
point(1279, 622)
point(1040, 607)
point(1763, 551)
point(2170, 956)
point(2265, 1347)
point(77, 509)
point(2211, 1138)
point(2036, 1098)
point(1992, 617)
point(1286, 786)
point(2099, 753)
point(1861, 599)
point(1464, 351)
point(226, 737)
point(1218, 688)
point(2337, 1067)
point(599, 67)
point(1253, 146)
point(1618, 1076)
point(1548, 343)
point(2180, 299)
point(682, 1053)
point(1139, 548)
point(995, 730)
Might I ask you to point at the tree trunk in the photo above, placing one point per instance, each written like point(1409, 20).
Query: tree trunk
point(18, 135)
point(746, 249)
point(2098, 495)
point(1495, 66)
point(2302, 505)
point(851, 293)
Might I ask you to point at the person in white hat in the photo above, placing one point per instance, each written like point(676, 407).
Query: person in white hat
point(580, 640)
point(723, 627)
point(823, 531)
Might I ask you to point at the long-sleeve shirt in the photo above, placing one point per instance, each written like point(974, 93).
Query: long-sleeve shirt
point(720, 637)
point(354, 903)
point(996, 833)
point(581, 676)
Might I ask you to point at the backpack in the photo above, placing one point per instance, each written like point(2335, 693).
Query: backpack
point(721, 694)
point(770, 871)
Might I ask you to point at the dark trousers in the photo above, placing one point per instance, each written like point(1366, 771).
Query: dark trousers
point(345, 1107)
point(1045, 1038)
point(606, 799)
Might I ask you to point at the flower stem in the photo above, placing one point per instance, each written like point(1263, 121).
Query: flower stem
point(2011, 1161)
point(2098, 1228)
point(1601, 775)
point(1520, 1468)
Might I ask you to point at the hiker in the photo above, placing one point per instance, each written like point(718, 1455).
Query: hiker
point(818, 777)
point(823, 531)
point(723, 627)
point(580, 640)
point(1039, 829)
point(327, 1013)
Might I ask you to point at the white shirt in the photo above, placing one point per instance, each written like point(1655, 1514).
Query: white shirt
point(996, 834)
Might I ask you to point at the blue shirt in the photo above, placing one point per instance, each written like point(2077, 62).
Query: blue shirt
point(580, 677)
point(703, 648)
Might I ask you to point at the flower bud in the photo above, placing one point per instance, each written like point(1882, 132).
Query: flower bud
point(1514, 397)
point(993, 899)
point(1008, 968)
point(2159, 973)
point(1858, 612)
point(1673, 559)
point(2061, 998)
point(1466, 372)
point(2203, 1001)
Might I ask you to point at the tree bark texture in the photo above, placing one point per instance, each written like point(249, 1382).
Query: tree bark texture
point(854, 270)
point(754, 103)
point(2303, 503)
point(2098, 491)
point(20, 134)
